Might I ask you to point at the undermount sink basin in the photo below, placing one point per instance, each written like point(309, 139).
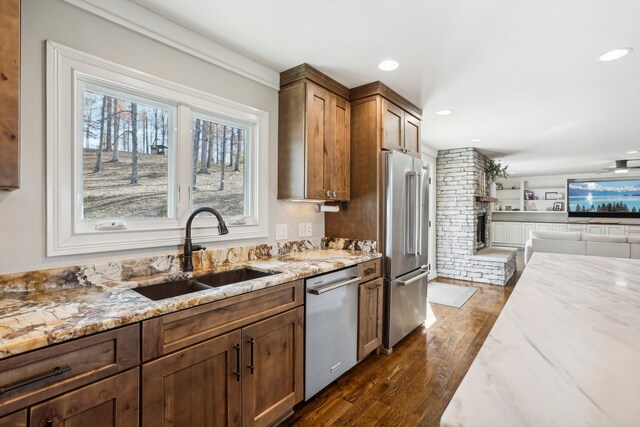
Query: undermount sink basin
point(171, 289)
point(232, 276)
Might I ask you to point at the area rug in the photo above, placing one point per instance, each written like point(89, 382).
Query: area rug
point(447, 294)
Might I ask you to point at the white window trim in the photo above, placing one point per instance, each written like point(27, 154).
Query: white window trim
point(65, 236)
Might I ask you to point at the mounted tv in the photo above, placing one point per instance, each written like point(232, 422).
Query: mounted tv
point(612, 198)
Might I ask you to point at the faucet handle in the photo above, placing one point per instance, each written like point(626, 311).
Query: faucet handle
point(198, 248)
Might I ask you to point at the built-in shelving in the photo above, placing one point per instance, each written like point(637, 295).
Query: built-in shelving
point(513, 195)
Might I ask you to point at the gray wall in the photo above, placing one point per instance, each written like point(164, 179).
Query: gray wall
point(22, 212)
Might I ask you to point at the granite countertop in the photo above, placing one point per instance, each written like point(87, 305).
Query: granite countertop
point(565, 351)
point(33, 320)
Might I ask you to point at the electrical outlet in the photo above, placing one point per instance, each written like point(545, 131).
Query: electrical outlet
point(302, 229)
point(309, 229)
point(281, 231)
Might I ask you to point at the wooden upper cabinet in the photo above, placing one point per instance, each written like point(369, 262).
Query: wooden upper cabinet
point(314, 135)
point(412, 134)
point(9, 94)
point(392, 126)
point(108, 403)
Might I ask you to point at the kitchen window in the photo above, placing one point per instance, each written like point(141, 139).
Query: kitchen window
point(131, 155)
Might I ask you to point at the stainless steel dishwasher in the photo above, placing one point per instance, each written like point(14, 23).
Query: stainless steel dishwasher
point(331, 328)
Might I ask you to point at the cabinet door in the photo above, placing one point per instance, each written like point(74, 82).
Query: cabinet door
point(412, 135)
point(194, 387)
point(338, 159)
point(615, 230)
point(318, 136)
point(596, 229)
point(514, 233)
point(577, 227)
point(9, 94)
point(108, 403)
point(527, 228)
point(369, 317)
point(499, 232)
point(559, 227)
point(17, 419)
point(541, 226)
point(272, 355)
point(393, 126)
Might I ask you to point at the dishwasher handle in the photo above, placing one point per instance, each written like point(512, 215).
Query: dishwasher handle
point(331, 286)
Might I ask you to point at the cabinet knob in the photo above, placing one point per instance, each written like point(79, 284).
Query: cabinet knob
point(328, 193)
point(335, 194)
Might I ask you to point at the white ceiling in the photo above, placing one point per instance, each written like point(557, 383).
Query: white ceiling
point(520, 75)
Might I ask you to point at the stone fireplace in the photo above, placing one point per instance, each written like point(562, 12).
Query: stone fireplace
point(463, 223)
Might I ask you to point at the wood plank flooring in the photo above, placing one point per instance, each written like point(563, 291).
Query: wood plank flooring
point(413, 385)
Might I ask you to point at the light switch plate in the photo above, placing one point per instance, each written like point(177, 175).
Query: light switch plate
point(302, 229)
point(309, 229)
point(281, 231)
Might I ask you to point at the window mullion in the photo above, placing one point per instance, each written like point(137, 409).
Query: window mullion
point(184, 153)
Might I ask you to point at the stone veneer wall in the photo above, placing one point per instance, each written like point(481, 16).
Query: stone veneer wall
point(458, 181)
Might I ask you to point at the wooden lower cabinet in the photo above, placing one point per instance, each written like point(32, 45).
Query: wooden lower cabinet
point(273, 380)
point(17, 419)
point(194, 387)
point(251, 377)
point(369, 317)
point(112, 402)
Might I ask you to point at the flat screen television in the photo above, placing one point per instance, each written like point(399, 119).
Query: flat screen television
point(612, 198)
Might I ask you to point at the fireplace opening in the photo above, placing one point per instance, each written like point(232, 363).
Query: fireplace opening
point(481, 231)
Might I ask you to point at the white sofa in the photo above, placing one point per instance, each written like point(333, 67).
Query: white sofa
point(578, 243)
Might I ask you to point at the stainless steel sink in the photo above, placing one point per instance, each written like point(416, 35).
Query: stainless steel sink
point(171, 289)
point(232, 276)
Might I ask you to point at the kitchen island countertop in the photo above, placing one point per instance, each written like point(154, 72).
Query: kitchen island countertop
point(35, 320)
point(565, 351)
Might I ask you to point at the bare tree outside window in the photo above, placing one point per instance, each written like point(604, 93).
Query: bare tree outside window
point(218, 169)
point(133, 181)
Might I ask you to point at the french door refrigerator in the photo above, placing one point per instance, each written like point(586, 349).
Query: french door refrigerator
point(405, 218)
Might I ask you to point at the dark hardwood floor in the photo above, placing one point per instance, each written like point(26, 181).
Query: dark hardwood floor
point(413, 385)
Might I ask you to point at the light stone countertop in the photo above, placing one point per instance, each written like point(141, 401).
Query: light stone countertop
point(565, 351)
point(35, 320)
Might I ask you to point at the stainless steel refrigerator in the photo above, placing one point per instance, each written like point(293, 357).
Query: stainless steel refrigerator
point(405, 185)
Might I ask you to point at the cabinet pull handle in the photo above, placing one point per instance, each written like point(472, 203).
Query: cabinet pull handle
point(335, 194)
point(371, 288)
point(251, 343)
point(328, 193)
point(49, 423)
point(370, 270)
point(56, 371)
point(237, 371)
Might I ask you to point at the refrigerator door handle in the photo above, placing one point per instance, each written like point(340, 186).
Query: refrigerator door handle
point(411, 220)
point(420, 276)
point(418, 223)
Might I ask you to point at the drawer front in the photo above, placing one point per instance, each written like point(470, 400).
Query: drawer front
point(166, 334)
point(369, 270)
point(41, 374)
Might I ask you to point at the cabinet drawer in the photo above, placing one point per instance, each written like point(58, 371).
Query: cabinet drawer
point(369, 270)
point(175, 331)
point(35, 376)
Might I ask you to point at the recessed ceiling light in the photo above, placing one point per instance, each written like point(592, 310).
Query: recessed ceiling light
point(476, 140)
point(614, 54)
point(388, 65)
point(444, 112)
point(633, 152)
point(621, 170)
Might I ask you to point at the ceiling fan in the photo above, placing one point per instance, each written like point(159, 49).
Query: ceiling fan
point(621, 166)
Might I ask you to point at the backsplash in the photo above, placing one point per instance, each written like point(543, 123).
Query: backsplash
point(130, 269)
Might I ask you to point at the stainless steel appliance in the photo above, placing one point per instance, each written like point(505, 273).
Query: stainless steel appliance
point(405, 218)
point(331, 328)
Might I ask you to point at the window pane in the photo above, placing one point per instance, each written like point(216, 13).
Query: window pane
point(218, 177)
point(125, 158)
